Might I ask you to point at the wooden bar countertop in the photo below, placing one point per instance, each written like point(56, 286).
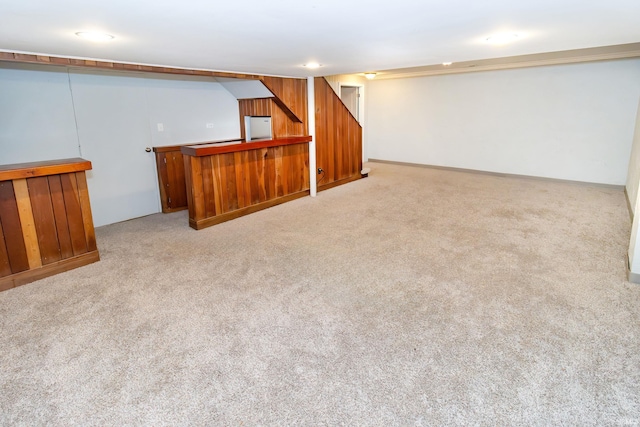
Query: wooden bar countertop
point(200, 150)
point(49, 167)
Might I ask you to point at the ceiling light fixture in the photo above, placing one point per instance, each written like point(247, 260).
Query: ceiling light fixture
point(95, 37)
point(502, 38)
point(446, 64)
point(370, 76)
point(312, 65)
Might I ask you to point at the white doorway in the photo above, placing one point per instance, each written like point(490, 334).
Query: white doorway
point(350, 96)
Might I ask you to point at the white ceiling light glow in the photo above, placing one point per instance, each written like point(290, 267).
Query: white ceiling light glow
point(370, 76)
point(502, 38)
point(94, 36)
point(446, 64)
point(312, 65)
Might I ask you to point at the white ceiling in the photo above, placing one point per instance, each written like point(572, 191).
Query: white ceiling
point(275, 37)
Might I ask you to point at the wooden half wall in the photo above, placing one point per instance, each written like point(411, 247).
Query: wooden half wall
point(46, 226)
point(288, 109)
point(338, 138)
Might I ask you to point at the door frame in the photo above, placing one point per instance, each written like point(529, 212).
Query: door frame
point(361, 113)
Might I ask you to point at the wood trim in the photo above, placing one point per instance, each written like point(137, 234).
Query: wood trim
point(28, 276)
point(340, 182)
point(211, 149)
point(118, 66)
point(167, 148)
point(289, 95)
point(50, 167)
point(27, 221)
point(208, 222)
point(85, 207)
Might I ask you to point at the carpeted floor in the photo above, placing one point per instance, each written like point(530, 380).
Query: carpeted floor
point(413, 297)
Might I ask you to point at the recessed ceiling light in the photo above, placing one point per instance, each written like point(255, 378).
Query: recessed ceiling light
point(502, 38)
point(94, 37)
point(446, 64)
point(370, 76)
point(312, 65)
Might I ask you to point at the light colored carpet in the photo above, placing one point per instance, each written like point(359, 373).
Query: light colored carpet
point(413, 297)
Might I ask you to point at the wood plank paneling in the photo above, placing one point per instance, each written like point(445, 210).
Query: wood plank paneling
point(247, 181)
point(338, 138)
point(254, 176)
point(27, 222)
point(176, 191)
point(188, 177)
point(44, 220)
point(74, 213)
point(292, 94)
point(89, 63)
point(163, 180)
point(231, 191)
point(197, 187)
point(60, 214)
point(171, 180)
point(5, 265)
point(85, 207)
point(219, 181)
point(270, 172)
point(210, 193)
point(242, 184)
point(12, 229)
point(278, 171)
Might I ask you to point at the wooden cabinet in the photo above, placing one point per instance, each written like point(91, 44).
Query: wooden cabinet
point(46, 226)
point(170, 166)
point(225, 181)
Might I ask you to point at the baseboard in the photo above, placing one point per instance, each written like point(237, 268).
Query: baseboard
point(633, 277)
point(340, 182)
point(61, 266)
point(499, 174)
point(171, 210)
point(208, 222)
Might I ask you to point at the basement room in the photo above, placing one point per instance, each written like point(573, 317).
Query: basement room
point(319, 213)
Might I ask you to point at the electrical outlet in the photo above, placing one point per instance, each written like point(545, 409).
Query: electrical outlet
point(209, 125)
point(160, 127)
point(320, 170)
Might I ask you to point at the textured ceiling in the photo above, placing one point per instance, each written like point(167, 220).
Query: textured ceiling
point(276, 37)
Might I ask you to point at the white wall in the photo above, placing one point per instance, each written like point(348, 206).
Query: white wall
point(570, 122)
point(633, 177)
point(36, 115)
point(187, 107)
point(116, 116)
point(633, 181)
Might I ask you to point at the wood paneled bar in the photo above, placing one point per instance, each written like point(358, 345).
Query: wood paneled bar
point(46, 226)
point(170, 168)
point(231, 179)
